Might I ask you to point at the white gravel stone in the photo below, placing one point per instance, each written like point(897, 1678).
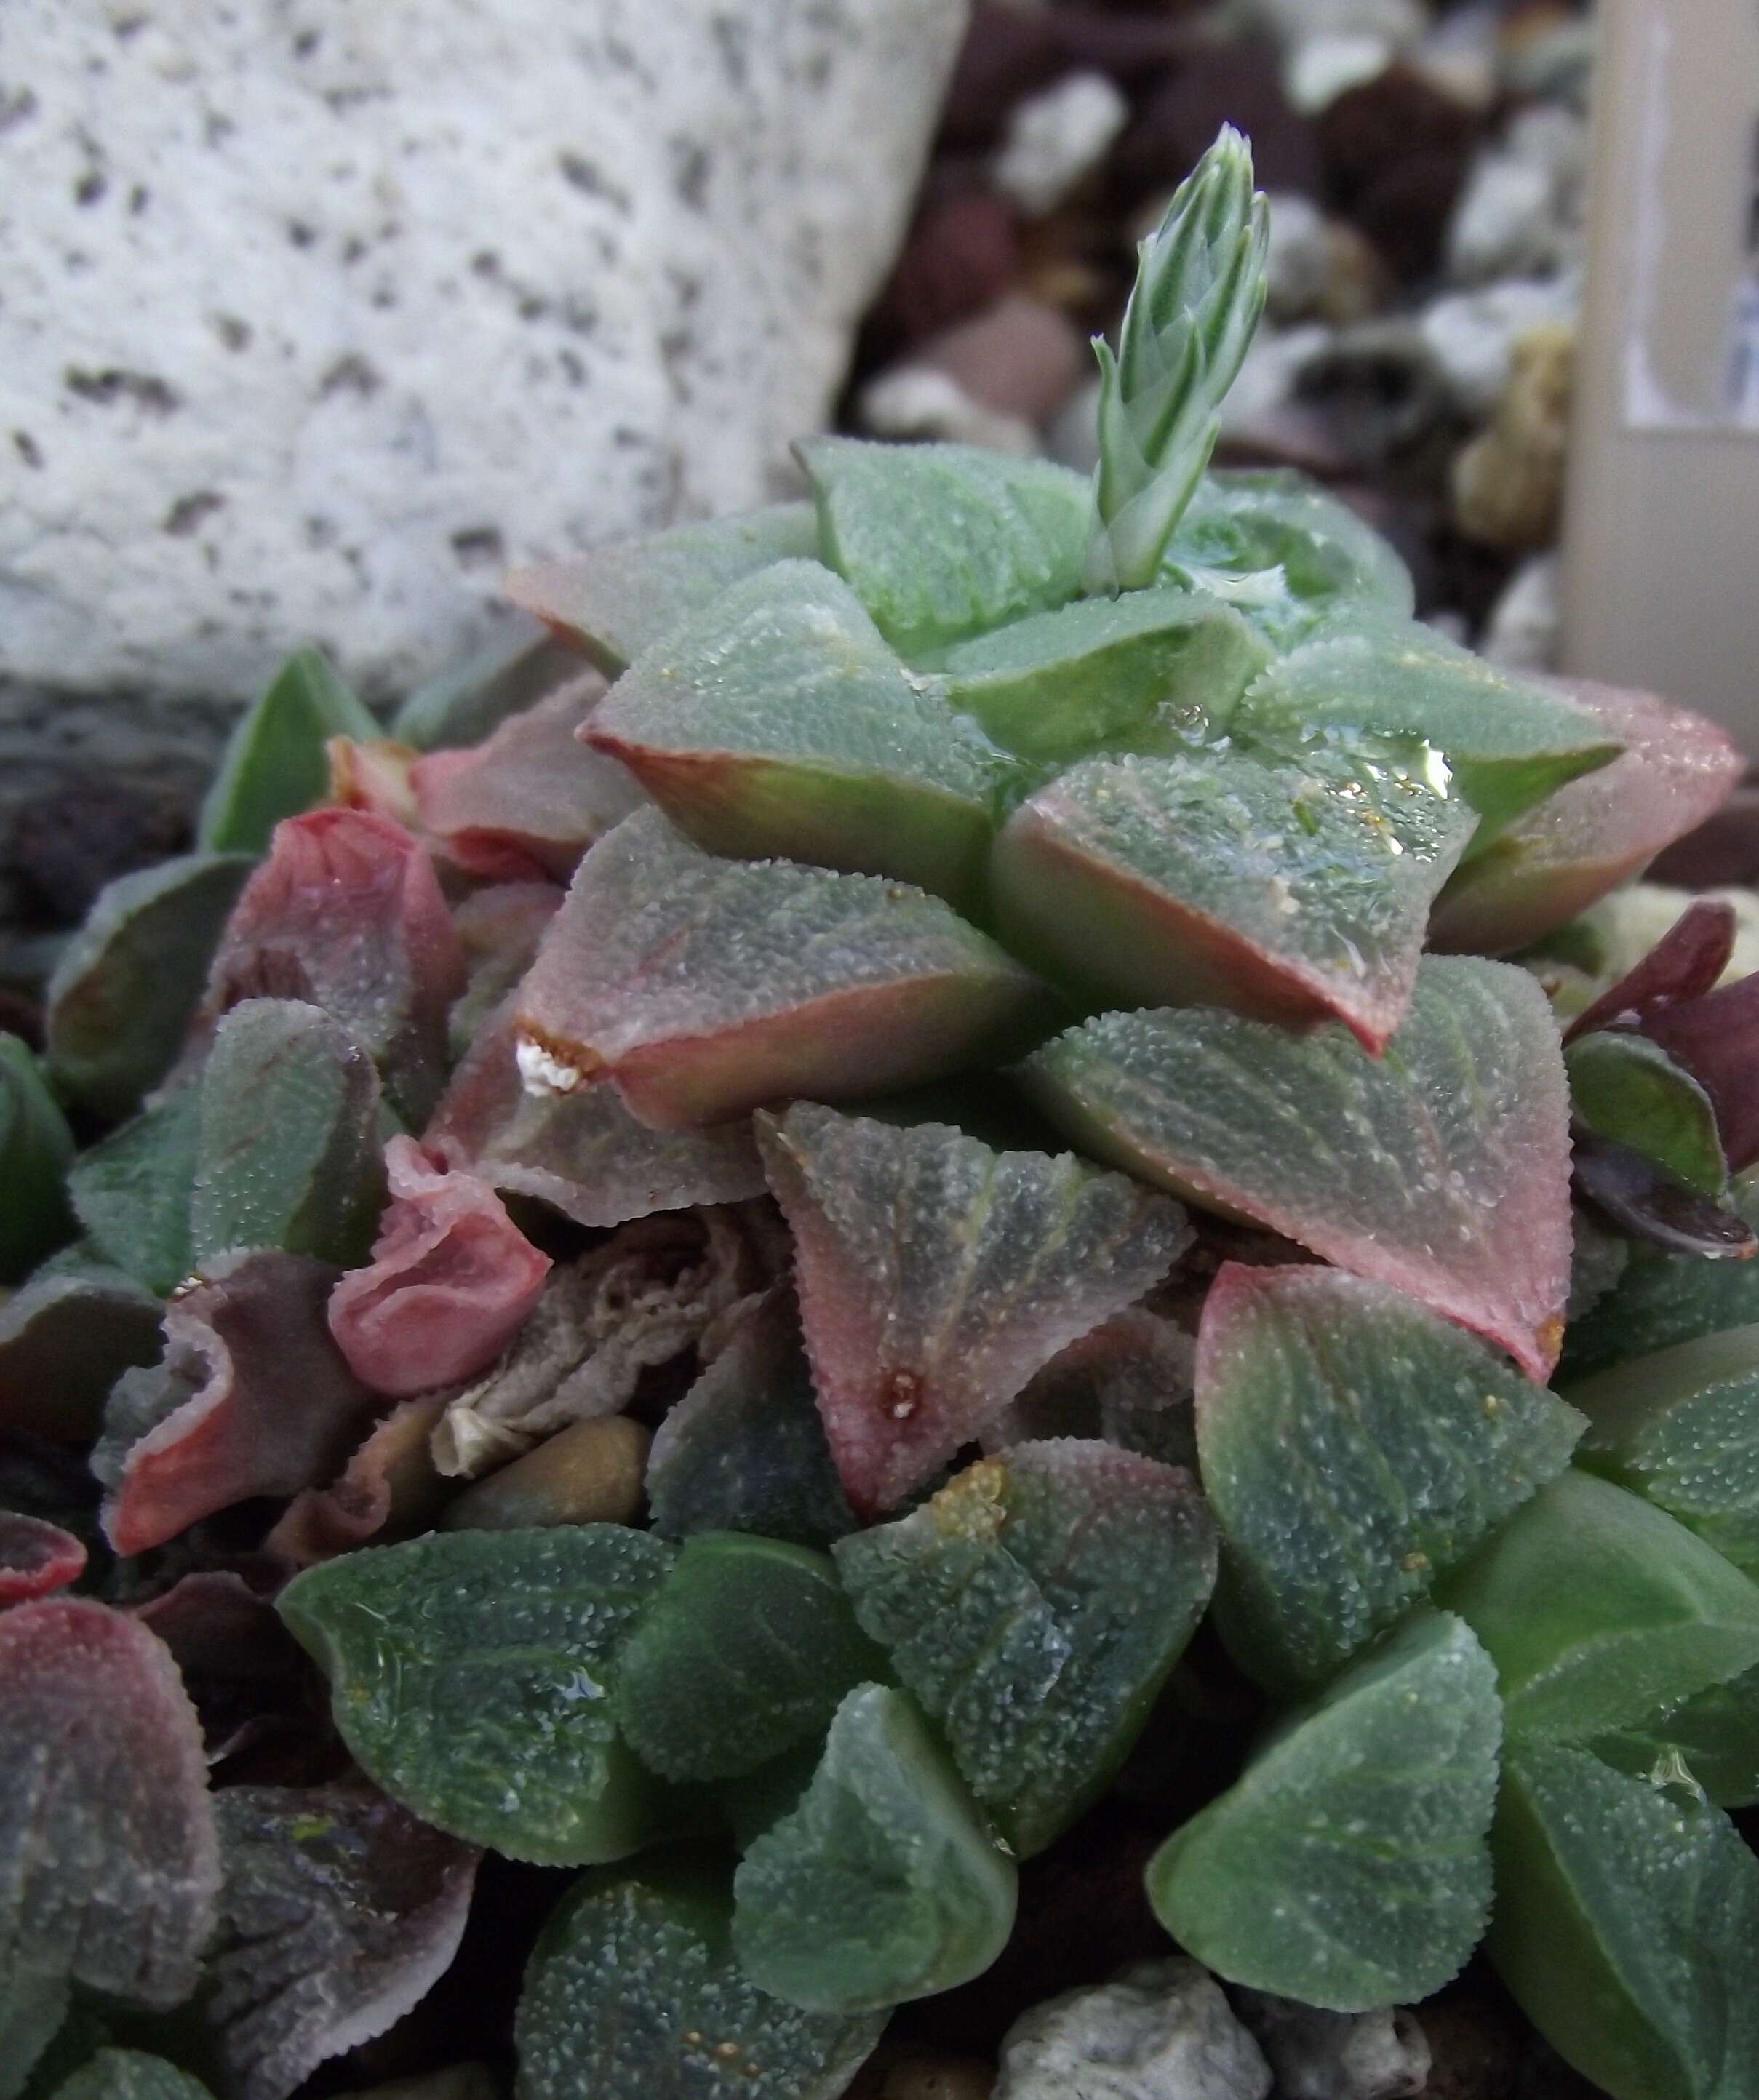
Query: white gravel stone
point(1162, 2031)
point(1315, 2055)
point(1400, 22)
point(918, 404)
point(318, 315)
point(1471, 335)
point(1298, 266)
point(1056, 138)
point(1506, 221)
point(1318, 69)
point(1525, 628)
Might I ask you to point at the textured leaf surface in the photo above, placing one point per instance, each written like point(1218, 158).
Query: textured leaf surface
point(882, 1884)
point(131, 2074)
point(1599, 1611)
point(1295, 891)
point(1681, 1428)
point(472, 696)
point(1035, 1607)
point(111, 1864)
point(1127, 1383)
point(941, 541)
point(1442, 1167)
point(526, 804)
point(1629, 1089)
point(1239, 525)
point(346, 913)
point(1581, 842)
point(451, 1281)
point(1126, 670)
point(1509, 742)
point(470, 1674)
point(274, 764)
point(937, 1276)
point(633, 1992)
point(778, 722)
point(1355, 1446)
point(33, 2007)
point(1626, 1919)
point(131, 1192)
point(619, 599)
point(1716, 1039)
point(389, 1489)
point(256, 1400)
point(706, 986)
point(1716, 1733)
point(748, 1650)
point(35, 1148)
point(36, 1557)
point(582, 1152)
point(287, 1150)
point(64, 1340)
point(339, 1911)
point(1663, 1299)
point(1348, 1867)
point(123, 992)
point(745, 1448)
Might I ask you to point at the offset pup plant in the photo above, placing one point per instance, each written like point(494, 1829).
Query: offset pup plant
point(706, 1280)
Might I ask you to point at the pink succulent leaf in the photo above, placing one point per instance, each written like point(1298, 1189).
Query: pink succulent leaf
point(450, 1283)
point(1646, 1203)
point(244, 1670)
point(1594, 833)
point(582, 1152)
point(1716, 1039)
point(937, 1276)
point(36, 1557)
point(704, 987)
point(390, 1488)
point(372, 774)
point(106, 1824)
point(1686, 962)
point(252, 1398)
point(340, 1911)
point(525, 805)
point(1441, 1167)
point(346, 913)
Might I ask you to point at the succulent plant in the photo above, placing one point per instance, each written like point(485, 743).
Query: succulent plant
point(1038, 1036)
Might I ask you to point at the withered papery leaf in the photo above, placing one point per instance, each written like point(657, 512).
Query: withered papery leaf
point(937, 1276)
point(704, 987)
point(109, 1864)
point(451, 1281)
point(346, 913)
point(390, 1488)
point(525, 805)
point(263, 1402)
point(582, 1152)
point(339, 1911)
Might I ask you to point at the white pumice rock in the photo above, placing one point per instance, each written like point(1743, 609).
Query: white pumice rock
point(1315, 2055)
point(1525, 629)
point(1506, 222)
point(1472, 335)
point(918, 404)
point(321, 314)
point(1161, 2031)
point(1319, 68)
point(1056, 137)
point(1298, 266)
point(1400, 22)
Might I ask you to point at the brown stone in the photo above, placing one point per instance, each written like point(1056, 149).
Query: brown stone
point(1021, 357)
point(1508, 483)
point(1396, 151)
point(591, 1472)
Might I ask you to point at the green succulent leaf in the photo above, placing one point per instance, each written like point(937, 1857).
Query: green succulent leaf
point(1195, 305)
point(1355, 1447)
point(131, 2074)
point(1349, 1867)
point(745, 1450)
point(65, 1338)
point(882, 1884)
point(619, 599)
point(1440, 1167)
point(470, 1674)
point(1130, 672)
point(1630, 1090)
point(34, 2005)
point(1626, 1918)
point(1035, 1606)
point(35, 1148)
point(1715, 1735)
point(633, 1991)
point(131, 1192)
point(469, 699)
point(287, 1149)
point(1681, 1427)
point(1663, 1299)
point(1599, 1611)
point(1509, 743)
point(274, 765)
point(937, 1275)
point(1295, 892)
point(121, 997)
point(703, 987)
point(943, 541)
point(1242, 526)
point(777, 722)
point(748, 1650)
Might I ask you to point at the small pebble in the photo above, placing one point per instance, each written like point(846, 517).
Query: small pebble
point(1525, 628)
point(939, 2078)
point(1318, 69)
point(920, 405)
point(591, 1472)
point(1508, 483)
point(1162, 2031)
point(1506, 222)
point(1021, 357)
point(1315, 2055)
point(1056, 139)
